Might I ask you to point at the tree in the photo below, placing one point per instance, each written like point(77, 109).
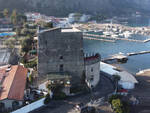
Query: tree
point(21, 19)
point(10, 43)
point(30, 78)
point(47, 99)
point(27, 44)
point(116, 79)
point(18, 31)
point(48, 25)
point(116, 103)
point(6, 13)
point(14, 17)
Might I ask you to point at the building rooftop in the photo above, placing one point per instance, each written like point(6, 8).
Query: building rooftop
point(111, 70)
point(4, 56)
point(62, 30)
point(14, 83)
point(127, 77)
point(70, 30)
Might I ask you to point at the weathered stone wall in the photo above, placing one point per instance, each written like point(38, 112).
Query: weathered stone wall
point(58, 48)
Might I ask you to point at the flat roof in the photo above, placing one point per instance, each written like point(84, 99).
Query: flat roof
point(127, 77)
point(70, 30)
point(124, 75)
point(4, 56)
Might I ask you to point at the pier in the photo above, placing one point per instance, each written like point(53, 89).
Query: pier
point(116, 38)
point(91, 38)
point(147, 40)
point(118, 57)
point(138, 53)
point(122, 57)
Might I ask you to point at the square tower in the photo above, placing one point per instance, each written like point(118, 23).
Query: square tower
point(61, 51)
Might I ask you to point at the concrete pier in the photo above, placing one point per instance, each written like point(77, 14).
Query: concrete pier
point(138, 53)
point(91, 38)
point(117, 38)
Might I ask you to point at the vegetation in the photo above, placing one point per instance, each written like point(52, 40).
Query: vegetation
point(47, 99)
point(30, 78)
point(99, 17)
point(6, 13)
point(14, 17)
point(10, 43)
point(57, 91)
point(31, 64)
point(27, 44)
point(118, 105)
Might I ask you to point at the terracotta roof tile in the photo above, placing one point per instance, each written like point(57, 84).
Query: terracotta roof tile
point(14, 83)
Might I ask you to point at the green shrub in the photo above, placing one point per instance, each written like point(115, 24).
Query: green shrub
point(114, 97)
point(47, 99)
point(30, 78)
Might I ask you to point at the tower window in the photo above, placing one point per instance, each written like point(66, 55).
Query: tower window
point(91, 69)
point(61, 57)
point(92, 78)
point(61, 68)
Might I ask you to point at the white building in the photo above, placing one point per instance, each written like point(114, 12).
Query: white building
point(127, 80)
point(92, 70)
point(12, 86)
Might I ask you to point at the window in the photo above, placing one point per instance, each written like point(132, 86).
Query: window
point(92, 78)
point(92, 69)
point(61, 68)
point(61, 57)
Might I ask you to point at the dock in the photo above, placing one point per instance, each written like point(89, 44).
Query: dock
point(116, 38)
point(138, 53)
point(147, 40)
point(91, 38)
point(118, 57)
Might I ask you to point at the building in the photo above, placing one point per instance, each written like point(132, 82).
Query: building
point(60, 52)
point(92, 69)
point(12, 86)
point(127, 80)
point(8, 56)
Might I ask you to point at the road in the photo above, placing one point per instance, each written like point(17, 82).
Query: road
point(104, 87)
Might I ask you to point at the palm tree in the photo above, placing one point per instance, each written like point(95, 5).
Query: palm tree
point(116, 78)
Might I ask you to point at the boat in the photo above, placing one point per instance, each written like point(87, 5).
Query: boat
point(127, 34)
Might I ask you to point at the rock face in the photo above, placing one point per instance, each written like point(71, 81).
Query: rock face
point(63, 7)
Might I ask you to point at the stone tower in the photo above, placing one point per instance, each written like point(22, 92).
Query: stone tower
point(61, 51)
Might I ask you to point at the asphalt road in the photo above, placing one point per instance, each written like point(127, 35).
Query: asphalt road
point(104, 88)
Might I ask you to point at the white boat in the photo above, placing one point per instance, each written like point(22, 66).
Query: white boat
point(114, 36)
point(107, 33)
point(127, 34)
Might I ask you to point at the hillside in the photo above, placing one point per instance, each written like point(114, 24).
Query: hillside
point(63, 7)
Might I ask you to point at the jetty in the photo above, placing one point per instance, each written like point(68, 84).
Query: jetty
point(91, 38)
point(119, 57)
point(145, 72)
point(116, 38)
point(147, 40)
point(138, 53)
